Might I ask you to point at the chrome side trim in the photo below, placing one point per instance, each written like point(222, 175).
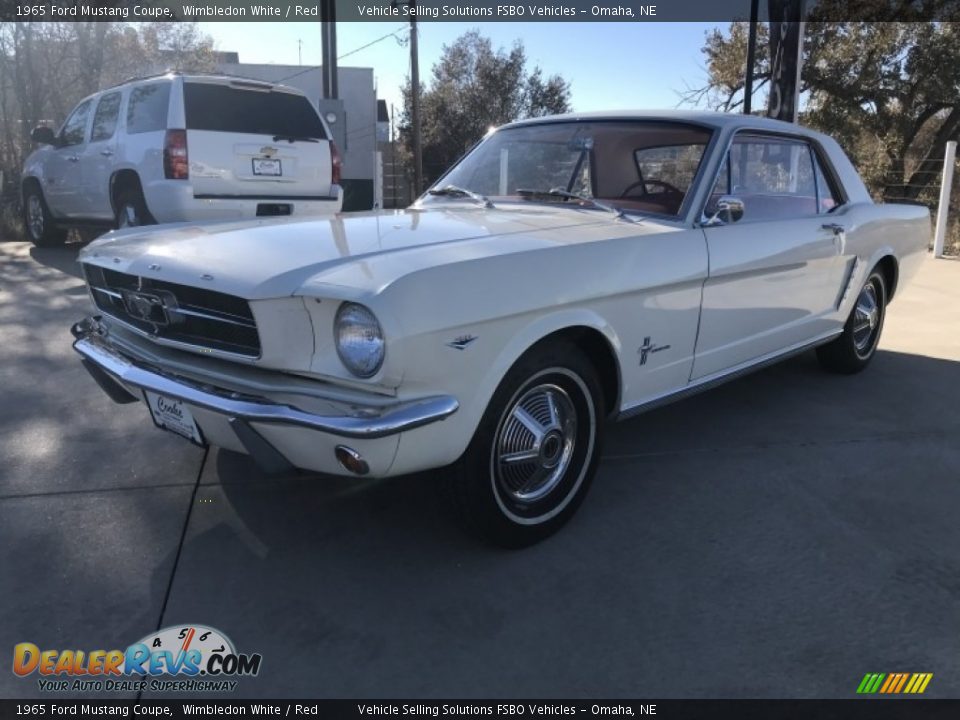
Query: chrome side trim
point(367, 422)
point(712, 381)
point(851, 276)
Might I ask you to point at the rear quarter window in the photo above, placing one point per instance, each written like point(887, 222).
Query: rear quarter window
point(147, 108)
point(224, 108)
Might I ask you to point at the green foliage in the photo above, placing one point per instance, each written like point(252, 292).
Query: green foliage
point(474, 87)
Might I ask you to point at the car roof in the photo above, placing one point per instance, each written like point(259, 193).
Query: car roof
point(698, 117)
point(204, 77)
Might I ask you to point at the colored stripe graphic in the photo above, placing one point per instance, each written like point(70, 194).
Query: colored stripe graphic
point(900, 684)
point(870, 683)
point(891, 680)
point(894, 683)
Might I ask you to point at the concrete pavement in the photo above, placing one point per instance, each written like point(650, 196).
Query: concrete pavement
point(776, 537)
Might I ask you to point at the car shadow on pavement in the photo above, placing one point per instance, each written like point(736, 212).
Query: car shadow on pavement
point(63, 258)
point(759, 528)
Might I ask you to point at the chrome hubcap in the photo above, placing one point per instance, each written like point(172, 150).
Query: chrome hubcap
point(535, 443)
point(866, 318)
point(35, 216)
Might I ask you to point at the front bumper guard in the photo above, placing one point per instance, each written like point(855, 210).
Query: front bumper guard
point(115, 373)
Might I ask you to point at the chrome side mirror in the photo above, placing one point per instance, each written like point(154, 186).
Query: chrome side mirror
point(729, 210)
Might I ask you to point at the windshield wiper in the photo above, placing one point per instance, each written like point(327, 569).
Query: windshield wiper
point(567, 195)
point(457, 191)
point(294, 138)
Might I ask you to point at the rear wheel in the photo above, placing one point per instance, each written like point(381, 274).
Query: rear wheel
point(536, 450)
point(852, 351)
point(132, 209)
point(39, 223)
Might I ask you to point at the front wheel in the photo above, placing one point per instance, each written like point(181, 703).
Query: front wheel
point(536, 450)
point(853, 349)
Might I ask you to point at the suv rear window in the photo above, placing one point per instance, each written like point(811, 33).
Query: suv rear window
point(147, 109)
point(223, 108)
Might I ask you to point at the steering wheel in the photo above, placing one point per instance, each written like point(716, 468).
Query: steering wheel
point(668, 189)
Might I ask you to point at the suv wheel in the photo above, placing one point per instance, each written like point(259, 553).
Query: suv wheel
point(40, 226)
point(132, 210)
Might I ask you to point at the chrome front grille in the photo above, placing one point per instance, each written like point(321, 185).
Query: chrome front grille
point(180, 313)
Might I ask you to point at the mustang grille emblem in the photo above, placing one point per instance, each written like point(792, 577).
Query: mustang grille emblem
point(647, 348)
point(462, 342)
point(146, 307)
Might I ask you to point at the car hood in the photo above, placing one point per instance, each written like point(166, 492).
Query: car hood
point(366, 251)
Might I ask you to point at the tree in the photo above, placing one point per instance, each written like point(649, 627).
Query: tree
point(474, 87)
point(888, 91)
point(46, 68)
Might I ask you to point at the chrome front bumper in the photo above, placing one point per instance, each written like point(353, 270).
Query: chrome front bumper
point(116, 373)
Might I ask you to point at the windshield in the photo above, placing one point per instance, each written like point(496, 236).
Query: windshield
point(638, 166)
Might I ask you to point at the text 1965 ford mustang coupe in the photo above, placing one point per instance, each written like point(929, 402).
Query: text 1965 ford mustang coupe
point(567, 270)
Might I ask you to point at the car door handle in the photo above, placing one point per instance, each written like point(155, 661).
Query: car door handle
point(73, 158)
point(835, 228)
point(106, 153)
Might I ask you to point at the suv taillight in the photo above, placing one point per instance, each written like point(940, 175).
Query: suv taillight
point(176, 165)
point(335, 164)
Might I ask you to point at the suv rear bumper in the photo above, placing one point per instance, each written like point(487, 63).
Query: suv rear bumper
point(174, 201)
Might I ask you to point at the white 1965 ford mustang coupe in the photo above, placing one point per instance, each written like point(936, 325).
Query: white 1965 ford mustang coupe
point(569, 269)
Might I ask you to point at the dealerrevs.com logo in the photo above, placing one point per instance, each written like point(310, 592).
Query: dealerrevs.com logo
point(176, 659)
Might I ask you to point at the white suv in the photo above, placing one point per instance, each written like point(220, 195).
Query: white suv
point(177, 148)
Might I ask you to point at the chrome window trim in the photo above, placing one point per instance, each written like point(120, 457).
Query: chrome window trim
point(818, 153)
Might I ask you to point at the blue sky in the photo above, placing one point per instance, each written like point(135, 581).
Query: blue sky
point(608, 65)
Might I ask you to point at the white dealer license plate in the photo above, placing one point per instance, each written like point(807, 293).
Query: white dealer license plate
point(173, 415)
point(267, 166)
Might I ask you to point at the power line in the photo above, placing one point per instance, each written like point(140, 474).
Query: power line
point(346, 54)
point(395, 33)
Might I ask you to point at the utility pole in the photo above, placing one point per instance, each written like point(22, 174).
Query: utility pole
point(328, 32)
point(751, 57)
point(414, 96)
point(415, 103)
point(300, 52)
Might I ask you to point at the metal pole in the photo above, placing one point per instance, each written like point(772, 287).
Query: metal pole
point(801, 32)
point(415, 104)
point(328, 34)
point(393, 162)
point(949, 158)
point(751, 57)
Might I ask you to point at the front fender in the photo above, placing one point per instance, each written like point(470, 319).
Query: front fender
point(473, 374)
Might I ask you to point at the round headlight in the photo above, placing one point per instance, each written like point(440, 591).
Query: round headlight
point(359, 340)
